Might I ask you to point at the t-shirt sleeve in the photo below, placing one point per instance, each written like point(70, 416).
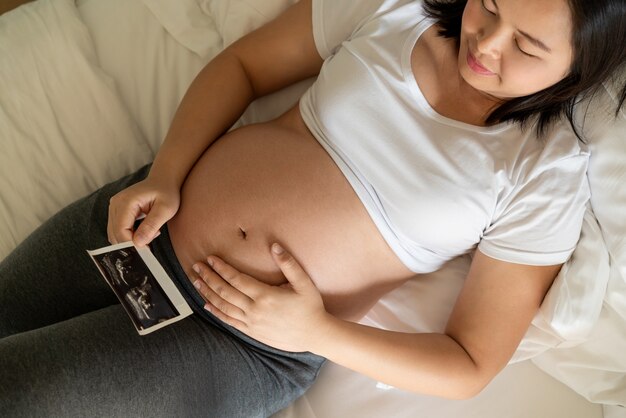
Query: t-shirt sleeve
point(335, 21)
point(538, 221)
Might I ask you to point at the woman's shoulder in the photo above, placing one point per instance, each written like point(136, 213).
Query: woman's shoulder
point(563, 159)
point(522, 157)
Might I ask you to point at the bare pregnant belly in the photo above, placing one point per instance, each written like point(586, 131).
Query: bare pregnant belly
point(273, 182)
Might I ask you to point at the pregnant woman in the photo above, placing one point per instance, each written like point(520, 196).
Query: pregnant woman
point(433, 130)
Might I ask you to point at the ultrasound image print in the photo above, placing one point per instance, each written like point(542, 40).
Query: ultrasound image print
point(136, 287)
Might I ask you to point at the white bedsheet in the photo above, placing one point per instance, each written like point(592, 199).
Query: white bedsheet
point(64, 130)
point(134, 66)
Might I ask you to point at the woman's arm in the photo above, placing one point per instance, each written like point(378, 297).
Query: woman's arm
point(276, 55)
point(490, 317)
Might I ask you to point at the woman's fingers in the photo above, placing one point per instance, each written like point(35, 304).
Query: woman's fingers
point(245, 284)
point(123, 212)
point(156, 201)
point(220, 294)
point(120, 223)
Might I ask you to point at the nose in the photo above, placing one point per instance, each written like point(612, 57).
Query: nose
point(490, 41)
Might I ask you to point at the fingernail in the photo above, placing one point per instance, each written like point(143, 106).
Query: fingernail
point(277, 249)
point(210, 261)
point(196, 268)
point(197, 284)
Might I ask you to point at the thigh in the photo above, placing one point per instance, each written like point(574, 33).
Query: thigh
point(96, 365)
point(49, 277)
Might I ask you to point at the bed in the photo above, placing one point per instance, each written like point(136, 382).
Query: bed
point(88, 89)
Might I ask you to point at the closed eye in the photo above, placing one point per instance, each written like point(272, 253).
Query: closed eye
point(493, 12)
point(522, 51)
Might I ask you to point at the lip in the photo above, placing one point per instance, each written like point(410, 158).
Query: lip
point(476, 66)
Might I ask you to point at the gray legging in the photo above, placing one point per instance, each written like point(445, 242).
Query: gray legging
point(67, 347)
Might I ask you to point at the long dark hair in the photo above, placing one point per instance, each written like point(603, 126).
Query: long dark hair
point(599, 40)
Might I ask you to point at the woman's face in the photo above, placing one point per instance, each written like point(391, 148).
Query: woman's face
point(513, 48)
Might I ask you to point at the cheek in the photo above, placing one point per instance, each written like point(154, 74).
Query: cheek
point(471, 17)
point(523, 77)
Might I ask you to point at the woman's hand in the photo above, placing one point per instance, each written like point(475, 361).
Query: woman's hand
point(287, 317)
point(155, 200)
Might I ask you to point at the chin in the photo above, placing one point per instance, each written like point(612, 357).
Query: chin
point(482, 85)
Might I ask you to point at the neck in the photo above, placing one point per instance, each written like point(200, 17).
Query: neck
point(481, 103)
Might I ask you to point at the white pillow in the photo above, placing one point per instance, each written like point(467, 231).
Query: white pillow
point(151, 68)
point(597, 270)
point(187, 22)
point(235, 18)
point(230, 19)
point(596, 368)
point(607, 176)
point(572, 306)
point(63, 130)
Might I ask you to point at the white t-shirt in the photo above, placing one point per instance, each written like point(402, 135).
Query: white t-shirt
point(435, 187)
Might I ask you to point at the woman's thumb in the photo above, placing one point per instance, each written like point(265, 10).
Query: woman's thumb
point(149, 227)
point(293, 271)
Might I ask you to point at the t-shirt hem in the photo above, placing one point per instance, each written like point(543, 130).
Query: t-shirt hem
point(528, 258)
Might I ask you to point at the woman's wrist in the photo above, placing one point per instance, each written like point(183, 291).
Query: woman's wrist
point(169, 174)
point(320, 338)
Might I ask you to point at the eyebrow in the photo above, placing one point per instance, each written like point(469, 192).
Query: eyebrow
point(532, 40)
point(536, 42)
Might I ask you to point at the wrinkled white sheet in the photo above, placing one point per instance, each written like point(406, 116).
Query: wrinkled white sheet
point(63, 129)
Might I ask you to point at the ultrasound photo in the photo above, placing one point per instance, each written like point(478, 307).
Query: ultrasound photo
point(151, 303)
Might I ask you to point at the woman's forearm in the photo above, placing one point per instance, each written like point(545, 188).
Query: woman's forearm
point(214, 101)
point(430, 364)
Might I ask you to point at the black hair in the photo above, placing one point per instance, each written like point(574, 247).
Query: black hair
point(598, 41)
